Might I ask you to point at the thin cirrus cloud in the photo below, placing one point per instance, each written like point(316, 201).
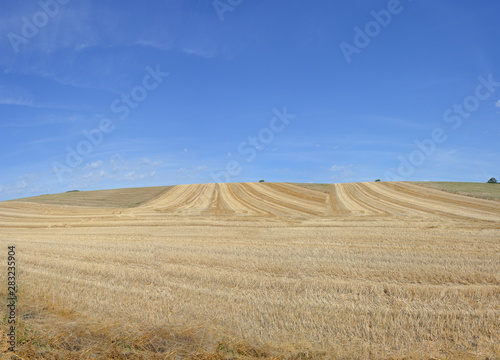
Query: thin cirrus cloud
point(115, 169)
point(79, 46)
point(336, 168)
point(20, 96)
point(16, 96)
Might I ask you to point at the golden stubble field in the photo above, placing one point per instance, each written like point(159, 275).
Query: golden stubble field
point(259, 270)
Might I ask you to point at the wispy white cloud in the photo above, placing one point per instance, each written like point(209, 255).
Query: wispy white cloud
point(340, 167)
point(327, 146)
point(19, 96)
point(114, 170)
point(15, 96)
point(94, 165)
point(42, 121)
point(24, 186)
point(193, 169)
point(383, 120)
point(497, 104)
point(155, 44)
point(204, 51)
point(148, 162)
point(343, 173)
point(133, 175)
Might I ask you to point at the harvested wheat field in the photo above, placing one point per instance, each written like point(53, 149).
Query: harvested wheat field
point(259, 270)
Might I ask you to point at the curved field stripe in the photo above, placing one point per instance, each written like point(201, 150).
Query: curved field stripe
point(283, 202)
point(168, 200)
point(438, 203)
point(297, 198)
point(310, 195)
point(356, 202)
point(397, 203)
point(245, 199)
point(336, 201)
point(347, 200)
point(262, 204)
point(218, 203)
point(184, 197)
point(387, 204)
point(463, 201)
point(393, 204)
point(241, 201)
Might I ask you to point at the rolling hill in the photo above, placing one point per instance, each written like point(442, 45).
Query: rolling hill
point(256, 270)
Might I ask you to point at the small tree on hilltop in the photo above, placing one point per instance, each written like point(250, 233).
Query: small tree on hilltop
point(377, 180)
point(261, 180)
point(492, 181)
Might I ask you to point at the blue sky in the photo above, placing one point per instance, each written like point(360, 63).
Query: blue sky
point(190, 91)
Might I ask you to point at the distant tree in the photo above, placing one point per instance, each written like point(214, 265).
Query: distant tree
point(492, 181)
point(261, 180)
point(377, 180)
